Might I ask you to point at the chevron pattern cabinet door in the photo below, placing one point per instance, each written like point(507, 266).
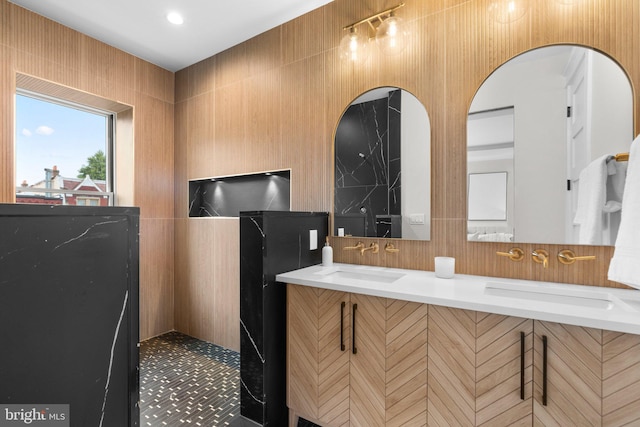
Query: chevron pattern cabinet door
point(451, 367)
point(367, 370)
point(574, 375)
point(499, 370)
point(621, 379)
point(302, 350)
point(406, 358)
point(333, 362)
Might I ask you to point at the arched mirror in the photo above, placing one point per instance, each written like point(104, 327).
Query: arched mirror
point(382, 167)
point(543, 133)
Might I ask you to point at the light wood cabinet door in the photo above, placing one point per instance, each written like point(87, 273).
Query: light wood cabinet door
point(388, 369)
point(451, 367)
point(334, 337)
point(406, 364)
point(367, 361)
point(356, 360)
point(504, 370)
point(318, 354)
point(567, 375)
point(621, 379)
point(302, 350)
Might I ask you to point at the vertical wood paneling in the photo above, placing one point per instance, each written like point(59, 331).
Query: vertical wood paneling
point(263, 141)
point(304, 148)
point(156, 277)
point(226, 284)
point(198, 139)
point(7, 163)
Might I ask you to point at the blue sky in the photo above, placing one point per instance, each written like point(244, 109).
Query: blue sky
point(48, 134)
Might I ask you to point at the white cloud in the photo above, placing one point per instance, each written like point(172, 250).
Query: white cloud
point(44, 130)
point(26, 132)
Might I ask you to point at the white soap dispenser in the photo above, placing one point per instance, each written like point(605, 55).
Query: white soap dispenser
point(327, 254)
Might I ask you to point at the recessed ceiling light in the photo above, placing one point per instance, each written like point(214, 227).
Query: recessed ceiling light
point(175, 18)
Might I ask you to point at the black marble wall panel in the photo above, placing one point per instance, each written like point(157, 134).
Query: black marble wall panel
point(367, 161)
point(69, 310)
point(395, 107)
point(228, 196)
point(270, 243)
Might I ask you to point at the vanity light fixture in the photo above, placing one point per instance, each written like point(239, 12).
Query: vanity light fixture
point(354, 46)
point(506, 11)
point(388, 30)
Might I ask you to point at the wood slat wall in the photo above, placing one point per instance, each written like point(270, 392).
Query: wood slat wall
point(42, 49)
point(247, 127)
point(274, 102)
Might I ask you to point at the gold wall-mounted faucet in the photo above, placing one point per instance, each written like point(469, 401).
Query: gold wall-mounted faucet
point(541, 257)
point(567, 257)
point(514, 254)
point(391, 248)
point(373, 247)
point(358, 247)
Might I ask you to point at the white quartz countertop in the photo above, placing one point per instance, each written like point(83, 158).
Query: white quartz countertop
point(589, 306)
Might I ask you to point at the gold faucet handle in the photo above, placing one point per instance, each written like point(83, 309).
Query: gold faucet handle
point(391, 248)
point(541, 257)
point(373, 247)
point(359, 246)
point(567, 257)
point(514, 254)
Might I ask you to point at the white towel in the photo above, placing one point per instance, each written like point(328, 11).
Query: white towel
point(591, 199)
point(625, 264)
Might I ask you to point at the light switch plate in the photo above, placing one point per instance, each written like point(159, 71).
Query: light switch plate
point(313, 240)
point(415, 219)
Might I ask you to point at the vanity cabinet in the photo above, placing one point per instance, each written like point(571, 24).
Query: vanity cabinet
point(355, 359)
point(480, 368)
point(488, 369)
point(417, 364)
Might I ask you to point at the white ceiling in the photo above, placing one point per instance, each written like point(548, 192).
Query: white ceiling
point(140, 27)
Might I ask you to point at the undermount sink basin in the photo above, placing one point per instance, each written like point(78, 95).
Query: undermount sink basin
point(363, 275)
point(577, 298)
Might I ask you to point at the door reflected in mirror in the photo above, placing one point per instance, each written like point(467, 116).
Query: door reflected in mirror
point(382, 161)
point(552, 119)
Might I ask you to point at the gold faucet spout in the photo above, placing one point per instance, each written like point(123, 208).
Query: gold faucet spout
point(358, 247)
point(373, 247)
point(541, 257)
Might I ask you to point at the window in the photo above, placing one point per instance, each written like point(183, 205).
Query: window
point(63, 152)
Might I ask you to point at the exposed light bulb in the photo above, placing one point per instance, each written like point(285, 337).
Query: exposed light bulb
point(354, 46)
point(505, 11)
point(392, 36)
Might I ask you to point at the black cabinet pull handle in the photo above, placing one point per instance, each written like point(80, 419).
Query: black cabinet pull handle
point(342, 348)
point(544, 370)
point(354, 350)
point(522, 350)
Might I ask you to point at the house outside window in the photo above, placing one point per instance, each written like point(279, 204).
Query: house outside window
point(63, 152)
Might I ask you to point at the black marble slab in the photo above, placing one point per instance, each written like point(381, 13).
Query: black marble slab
point(228, 196)
point(270, 243)
point(69, 310)
point(368, 161)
